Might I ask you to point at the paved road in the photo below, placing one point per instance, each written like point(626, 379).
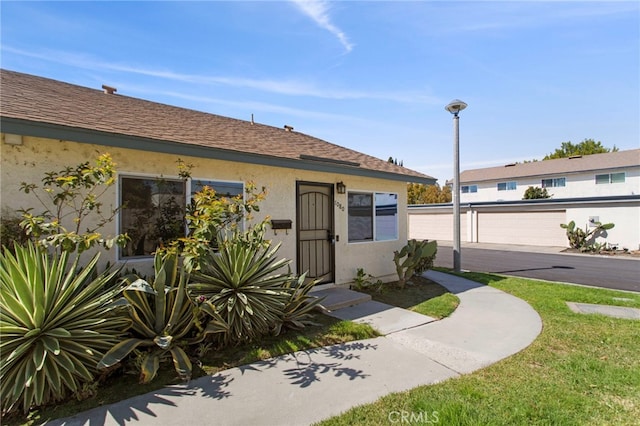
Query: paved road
point(614, 273)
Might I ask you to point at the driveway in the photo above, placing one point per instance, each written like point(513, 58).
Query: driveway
point(546, 263)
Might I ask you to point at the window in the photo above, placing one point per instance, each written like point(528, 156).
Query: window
point(507, 186)
point(554, 183)
point(223, 189)
point(154, 208)
point(465, 189)
point(610, 178)
point(372, 217)
point(153, 212)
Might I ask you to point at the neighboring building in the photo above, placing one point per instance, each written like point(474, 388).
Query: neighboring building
point(336, 209)
point(596, 175)
point(585, 189)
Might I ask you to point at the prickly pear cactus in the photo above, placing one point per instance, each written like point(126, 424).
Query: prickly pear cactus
point(414, 258)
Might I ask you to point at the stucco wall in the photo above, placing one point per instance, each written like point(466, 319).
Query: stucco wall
point(625, 234)
point(434, 222)
point(36, 156)
point(577, 185)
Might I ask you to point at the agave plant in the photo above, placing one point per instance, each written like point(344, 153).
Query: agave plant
point(164, 320)
point(55, 323)
point(297, 311)
point(244, 284)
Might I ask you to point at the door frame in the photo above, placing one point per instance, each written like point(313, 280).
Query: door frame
point(332, 224)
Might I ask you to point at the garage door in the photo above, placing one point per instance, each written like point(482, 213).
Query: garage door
point(530, 228)
point(435, 226)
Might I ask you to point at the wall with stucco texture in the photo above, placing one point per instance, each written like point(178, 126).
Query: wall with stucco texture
point(36, 156)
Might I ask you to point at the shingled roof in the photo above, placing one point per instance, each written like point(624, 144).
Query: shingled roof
point(37, 106)
point(557, 167)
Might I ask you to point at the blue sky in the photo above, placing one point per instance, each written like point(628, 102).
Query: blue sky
point(371, 76)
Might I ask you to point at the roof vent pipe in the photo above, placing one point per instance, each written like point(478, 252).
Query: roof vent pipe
point(108, 89)
point(288, 128)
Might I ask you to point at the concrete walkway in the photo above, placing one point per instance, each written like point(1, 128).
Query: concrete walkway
point(309, 386)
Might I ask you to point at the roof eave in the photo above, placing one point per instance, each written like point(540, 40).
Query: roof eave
point(82, 135)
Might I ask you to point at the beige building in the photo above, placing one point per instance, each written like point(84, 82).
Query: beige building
point(333, 209)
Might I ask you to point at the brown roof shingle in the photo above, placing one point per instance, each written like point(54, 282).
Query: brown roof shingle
point(36, 99)
point(586, 163)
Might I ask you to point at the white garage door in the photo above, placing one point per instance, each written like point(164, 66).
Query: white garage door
point(530, 228)
point(435, 226)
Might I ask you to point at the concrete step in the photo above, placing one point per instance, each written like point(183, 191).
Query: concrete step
point(338, 298)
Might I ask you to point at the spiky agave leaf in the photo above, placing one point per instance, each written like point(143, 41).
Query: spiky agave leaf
point(55, 323)
point(163, 319)
point(244, 283)
point(297, 312)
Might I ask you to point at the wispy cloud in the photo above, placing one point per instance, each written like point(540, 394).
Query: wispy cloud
point(318, 11)
point(288, 87)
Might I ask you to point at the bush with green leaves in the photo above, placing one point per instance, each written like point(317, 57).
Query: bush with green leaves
point(11, 233)
point(55, 323)
point(364, 281)
point(536, 193)
point(164, 320)
point(68, 197)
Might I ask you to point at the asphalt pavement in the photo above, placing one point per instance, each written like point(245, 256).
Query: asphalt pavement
point(616, 272)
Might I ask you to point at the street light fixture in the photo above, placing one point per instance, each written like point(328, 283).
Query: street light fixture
point(454, 107)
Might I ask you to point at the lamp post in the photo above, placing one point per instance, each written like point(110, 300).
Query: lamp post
point(454, 107)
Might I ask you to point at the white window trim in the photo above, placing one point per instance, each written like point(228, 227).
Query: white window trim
point(373, 193)
point(506, 183)
point(595, 178)
point(553, 181)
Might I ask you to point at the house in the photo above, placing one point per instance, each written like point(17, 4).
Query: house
point(333, 209)
point(596, 175)
point(585, 189)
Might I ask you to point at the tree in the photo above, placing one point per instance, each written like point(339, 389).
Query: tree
point(418, 193)
point(535, 193)
point(586, 147)
point(72, 197)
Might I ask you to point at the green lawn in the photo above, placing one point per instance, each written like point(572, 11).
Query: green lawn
point(582, 369)
point(419, 295)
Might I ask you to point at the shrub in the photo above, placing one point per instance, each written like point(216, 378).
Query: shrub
point(299, 304)
point(11, 233)
point(363, 281)
point(55, 325)
point(536, 193)
point(243, 283)
point(164, 320)
point(69, 196)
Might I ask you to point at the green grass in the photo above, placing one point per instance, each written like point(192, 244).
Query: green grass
point(420, 295)
point(124, 385)
point(582, 369)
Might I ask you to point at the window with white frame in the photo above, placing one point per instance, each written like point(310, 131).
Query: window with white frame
point(372, 216)
point(466, 189)
point(554, 182)
point(507, 186)
point(154, 208)
point(607, 178)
